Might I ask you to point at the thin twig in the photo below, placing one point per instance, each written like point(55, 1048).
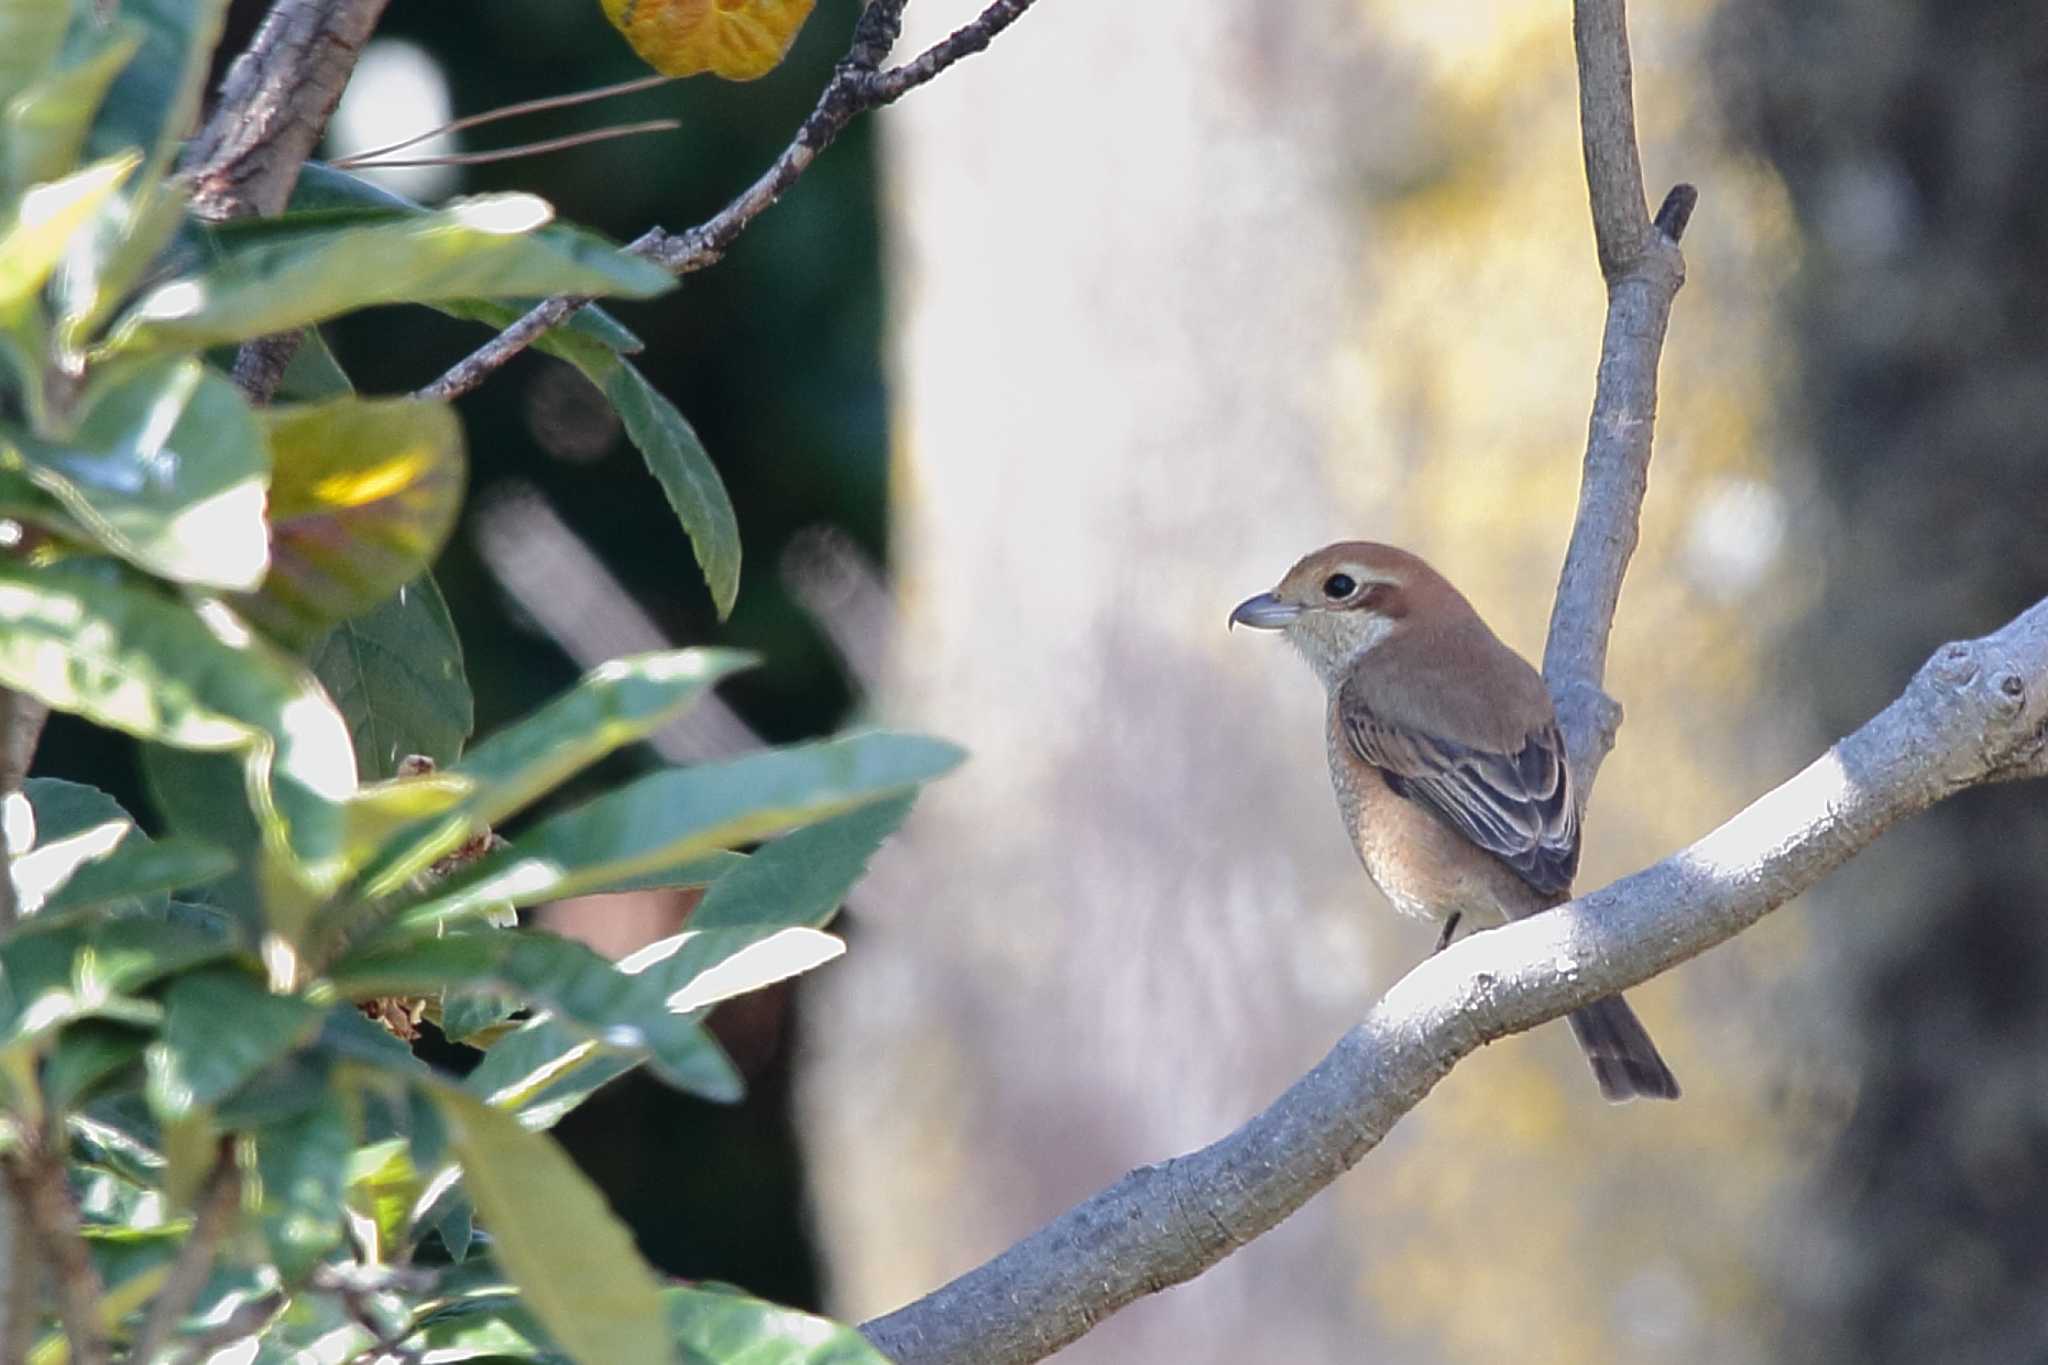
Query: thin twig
point(36, 1178)
point(218, 1204)
point(503, 112)
point(858, 84)
point(24, 1283)
point(523, 149)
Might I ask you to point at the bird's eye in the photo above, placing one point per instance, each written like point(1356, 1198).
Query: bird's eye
point(1339, 586)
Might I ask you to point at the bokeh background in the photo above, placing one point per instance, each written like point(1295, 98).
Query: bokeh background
point(1088, 341)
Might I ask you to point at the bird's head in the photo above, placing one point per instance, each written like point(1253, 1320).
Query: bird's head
point(1348, 598)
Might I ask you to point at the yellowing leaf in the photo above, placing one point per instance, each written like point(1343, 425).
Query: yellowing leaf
point(737, 39)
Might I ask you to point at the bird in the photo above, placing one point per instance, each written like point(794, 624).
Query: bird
point(1447, 761)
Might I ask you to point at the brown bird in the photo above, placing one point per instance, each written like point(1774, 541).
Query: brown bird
point(1448, 765)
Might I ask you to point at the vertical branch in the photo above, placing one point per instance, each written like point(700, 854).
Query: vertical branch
point(42, 1196)
point(1640, 260)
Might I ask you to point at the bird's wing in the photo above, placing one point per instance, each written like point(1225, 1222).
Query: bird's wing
point(1517, 806)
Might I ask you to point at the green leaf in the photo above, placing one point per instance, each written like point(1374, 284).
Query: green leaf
point(221, 1027)
point(723, 963)
point(167, 468)
point(619, 1012)
point(121, 654)
point(43, 128)
point(304, 1162)
point(671, 818)
point(572, 1259)
point(63, 970)
point(677, 460)
point(396, 674)
point(46, 219)
point(363, 494)
point(313, 374)
point(801, 878)
point(31, 33)
point(616, 704)
point(62, 827)
point(716, 1327)
point(140, 873)
point(87, 1055)
point(275, 274)
point(155, 101)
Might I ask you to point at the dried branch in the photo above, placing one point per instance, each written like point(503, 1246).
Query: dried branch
point(1977, 712)
point(36, 1179)
point(858, 84)
point(218, 1205)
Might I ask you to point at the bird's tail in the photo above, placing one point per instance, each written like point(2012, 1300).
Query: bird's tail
point(1624, 1059)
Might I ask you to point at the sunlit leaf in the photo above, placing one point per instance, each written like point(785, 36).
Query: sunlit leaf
point(718, 1327)
point(616, 704)
point(619, 1012)
point(220, 1028)
point(141, 872)
point(747, 962)
point(363, 493)
point(277, 274)
point(86, 639)
point(45, 221)
point(737, 39)
point(382, 1185)
point(670, 818)
point(572, 1259)
point(396, 674)
point(52, 974)
point(167, 468)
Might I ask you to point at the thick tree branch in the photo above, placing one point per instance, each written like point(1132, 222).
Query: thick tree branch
point(1640, 260)
point(858, 85)
point(274, 105)
point(1977, 712)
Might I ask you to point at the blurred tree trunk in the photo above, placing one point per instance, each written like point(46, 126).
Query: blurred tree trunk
point(1181, 294)
point(1913, 139)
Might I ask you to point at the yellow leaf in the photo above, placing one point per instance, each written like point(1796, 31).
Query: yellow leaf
point(737, 39)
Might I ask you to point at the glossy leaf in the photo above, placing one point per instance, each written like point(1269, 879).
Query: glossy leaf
point(55, 827)
point(43, 128)
point(801, 878)
point(620, 1012)
point(396, 674)
point(54, 973)
point(739, 40)
point(616, 704)
point(46, 220)
point(167, 468)
point(363, 494)
point(574, 1262)
point(140, 873)
point(221, 1027)
point(670, 818)
point(286, 272)
point(718, 1327)
point(120, 653)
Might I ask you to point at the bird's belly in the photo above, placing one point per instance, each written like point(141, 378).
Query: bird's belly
point(1423, 866)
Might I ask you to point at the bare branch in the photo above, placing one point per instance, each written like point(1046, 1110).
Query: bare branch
point(1977, 711)
point(218, 1204)
point(1643, 268)
point(36, 1178)
point(858, 85)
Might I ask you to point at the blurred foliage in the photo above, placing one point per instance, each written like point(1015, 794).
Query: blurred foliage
point(205, 1033)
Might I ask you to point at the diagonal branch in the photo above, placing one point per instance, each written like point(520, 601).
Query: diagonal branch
point(859, 84)
point(1977, 712)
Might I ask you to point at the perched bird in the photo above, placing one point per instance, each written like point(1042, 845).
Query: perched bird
point(1449, 768)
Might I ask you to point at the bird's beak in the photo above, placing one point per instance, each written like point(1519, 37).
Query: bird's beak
point(1265, 612)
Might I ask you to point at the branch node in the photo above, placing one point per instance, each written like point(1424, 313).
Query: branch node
point(1675, 213)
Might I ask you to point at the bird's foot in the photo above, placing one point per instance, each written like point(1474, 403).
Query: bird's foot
point(1443, 940)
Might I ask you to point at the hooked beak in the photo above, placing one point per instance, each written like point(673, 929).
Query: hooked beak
point(1265, 612)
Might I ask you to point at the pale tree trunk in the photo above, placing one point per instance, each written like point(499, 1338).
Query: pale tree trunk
point(1180, 293)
